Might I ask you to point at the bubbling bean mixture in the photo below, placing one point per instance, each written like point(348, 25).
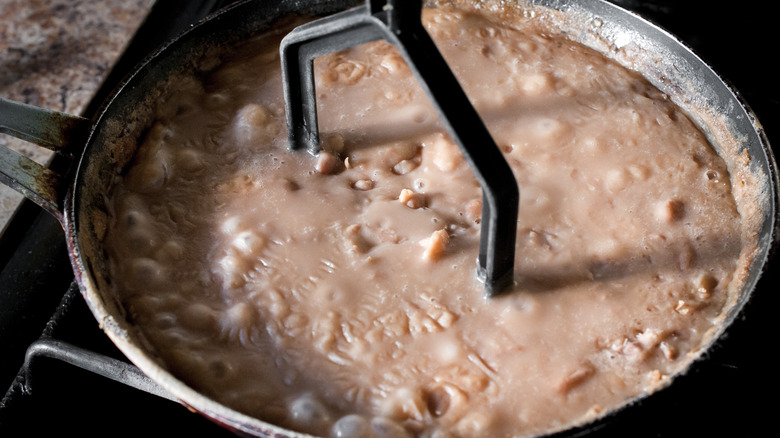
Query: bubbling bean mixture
point(336, 295)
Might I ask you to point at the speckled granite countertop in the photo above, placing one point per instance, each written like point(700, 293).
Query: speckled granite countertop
point(55, 54)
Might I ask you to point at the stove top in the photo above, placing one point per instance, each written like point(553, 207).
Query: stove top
point(721, 395)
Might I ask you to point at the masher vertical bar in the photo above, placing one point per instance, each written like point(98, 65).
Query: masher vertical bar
point(298, 51)
point(398, 21)
point(499, 186)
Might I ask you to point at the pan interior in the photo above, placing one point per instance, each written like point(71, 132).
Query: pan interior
point(625, 38)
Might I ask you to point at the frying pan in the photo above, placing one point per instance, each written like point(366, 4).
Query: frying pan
point(100, 148)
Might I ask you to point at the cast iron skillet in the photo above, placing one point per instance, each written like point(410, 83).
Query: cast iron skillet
point(101, 147)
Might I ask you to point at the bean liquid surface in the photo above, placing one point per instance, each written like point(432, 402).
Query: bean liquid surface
point(336, 295)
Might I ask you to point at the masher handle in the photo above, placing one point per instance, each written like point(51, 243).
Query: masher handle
point(399, 22)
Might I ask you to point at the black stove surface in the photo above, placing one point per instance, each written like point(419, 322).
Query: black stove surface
point(729, 393)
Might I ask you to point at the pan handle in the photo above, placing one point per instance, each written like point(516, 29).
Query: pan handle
point(100, 364)
point(53, 130)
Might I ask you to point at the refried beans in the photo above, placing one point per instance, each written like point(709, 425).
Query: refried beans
point(336, 295)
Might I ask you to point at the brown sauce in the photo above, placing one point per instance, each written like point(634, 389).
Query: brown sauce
point(337, 295)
